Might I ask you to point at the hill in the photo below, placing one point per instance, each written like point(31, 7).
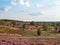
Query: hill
point(29, 28)
point(14, 32)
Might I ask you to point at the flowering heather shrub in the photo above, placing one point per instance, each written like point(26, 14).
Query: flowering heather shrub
point(27, 43)
point(13, 43)
point(6, 39)
point(3, 40)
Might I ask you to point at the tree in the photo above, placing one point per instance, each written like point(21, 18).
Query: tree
point(45, 27)
point(13, 23)
point(38, 32)
point(2, 22)
point(53, 24)
point(33, 23)
point(23, 26)
point(58, 24)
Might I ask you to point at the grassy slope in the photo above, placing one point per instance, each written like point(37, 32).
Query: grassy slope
point(28, 32)
point(9, 31)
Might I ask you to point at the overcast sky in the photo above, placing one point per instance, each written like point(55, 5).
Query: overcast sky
point(30, 10)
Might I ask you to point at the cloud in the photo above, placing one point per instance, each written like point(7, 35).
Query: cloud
point(52, 14)
point(27, 4)
point(39, 5)
point(21, 2)
point(57, 3)
point(13, 2)
point(49, 12)
point(35, 13)
point(6, 8)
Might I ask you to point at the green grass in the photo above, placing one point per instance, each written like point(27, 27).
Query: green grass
point(49, 33)
point(28, 32)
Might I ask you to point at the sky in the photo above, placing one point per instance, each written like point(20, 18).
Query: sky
point(30, 10)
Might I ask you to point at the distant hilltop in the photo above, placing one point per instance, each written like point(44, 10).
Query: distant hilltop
point(29, 21)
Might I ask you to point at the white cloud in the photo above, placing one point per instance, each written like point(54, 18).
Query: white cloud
point(13, 2)
point(39, 5)
point(7, 8)
point(21, 2)
point(57, 3)
point(48, 15)
point(52, 14)
point(27, 4)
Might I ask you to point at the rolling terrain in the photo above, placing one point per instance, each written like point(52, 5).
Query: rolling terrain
point(25, 33)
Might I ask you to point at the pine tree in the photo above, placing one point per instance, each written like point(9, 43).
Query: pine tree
point(38, 32)
point(23, 26)
point(45, 27)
